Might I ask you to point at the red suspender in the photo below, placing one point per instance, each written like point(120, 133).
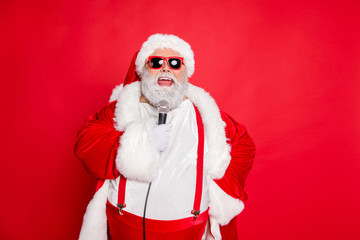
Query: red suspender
point(199, 172)
point(199, 165)
point(121, 194)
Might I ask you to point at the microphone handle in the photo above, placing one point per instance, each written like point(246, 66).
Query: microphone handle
point(162, 118)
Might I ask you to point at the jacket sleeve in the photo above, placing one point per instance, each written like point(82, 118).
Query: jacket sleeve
point(231, 185)
point(242, 155)
point(97, 142)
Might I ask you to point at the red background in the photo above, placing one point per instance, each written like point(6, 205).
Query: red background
point(288, 70)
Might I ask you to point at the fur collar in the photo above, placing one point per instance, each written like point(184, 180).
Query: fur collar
point(217, 158)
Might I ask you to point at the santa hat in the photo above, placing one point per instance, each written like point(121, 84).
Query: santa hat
point(159, 41)
point(131, 75)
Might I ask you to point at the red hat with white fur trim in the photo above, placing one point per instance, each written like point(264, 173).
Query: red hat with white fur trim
point(159, 41)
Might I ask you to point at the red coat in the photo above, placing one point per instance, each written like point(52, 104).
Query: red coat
point(97, 144)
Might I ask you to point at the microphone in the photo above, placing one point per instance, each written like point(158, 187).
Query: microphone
point(163, 108)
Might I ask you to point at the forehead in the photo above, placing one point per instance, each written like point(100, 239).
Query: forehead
point(165, 52)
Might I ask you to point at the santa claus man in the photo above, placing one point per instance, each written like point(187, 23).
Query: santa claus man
point(183, 179)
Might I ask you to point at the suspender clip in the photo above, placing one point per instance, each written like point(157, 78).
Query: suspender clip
point(121, 206)
point(195, 213)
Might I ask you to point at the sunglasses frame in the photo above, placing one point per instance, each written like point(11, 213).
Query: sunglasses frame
point(167, 60)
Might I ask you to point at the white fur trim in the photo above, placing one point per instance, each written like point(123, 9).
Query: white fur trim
point(218, 157)
point(159, 41)
point(137, 157)
point(223, 207)
point(127, 106)
point(215, 229)
point(115, 93)
point(94, 225)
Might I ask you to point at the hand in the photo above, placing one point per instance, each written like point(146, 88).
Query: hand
point(161, 136)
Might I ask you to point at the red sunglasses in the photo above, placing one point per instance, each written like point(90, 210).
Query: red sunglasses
point(156, 62)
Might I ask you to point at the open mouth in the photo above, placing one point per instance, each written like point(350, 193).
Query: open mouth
point(165, 81)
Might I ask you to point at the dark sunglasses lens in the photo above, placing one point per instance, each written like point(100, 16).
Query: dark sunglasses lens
point(156, 62)
point(175, 63)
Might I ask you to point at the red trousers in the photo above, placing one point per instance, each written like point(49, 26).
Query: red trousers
point(130, 227)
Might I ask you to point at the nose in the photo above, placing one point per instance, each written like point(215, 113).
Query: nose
point(165, 67)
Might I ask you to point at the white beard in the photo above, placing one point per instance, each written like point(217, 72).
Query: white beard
point(154, 93)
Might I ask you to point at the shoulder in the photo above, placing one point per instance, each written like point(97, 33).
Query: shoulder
point(232, 126)
point(106, 112)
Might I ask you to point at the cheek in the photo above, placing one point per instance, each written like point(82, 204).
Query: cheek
point(179, 75)
point(152, 72)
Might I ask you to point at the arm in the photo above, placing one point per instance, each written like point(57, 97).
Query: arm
point(97, 143)
point(242, 155)
point(230, 188)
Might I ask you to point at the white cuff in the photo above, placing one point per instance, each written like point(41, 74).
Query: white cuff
point(137, 158)
point(94, 224)
point(223, 207)
point(214, 229)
